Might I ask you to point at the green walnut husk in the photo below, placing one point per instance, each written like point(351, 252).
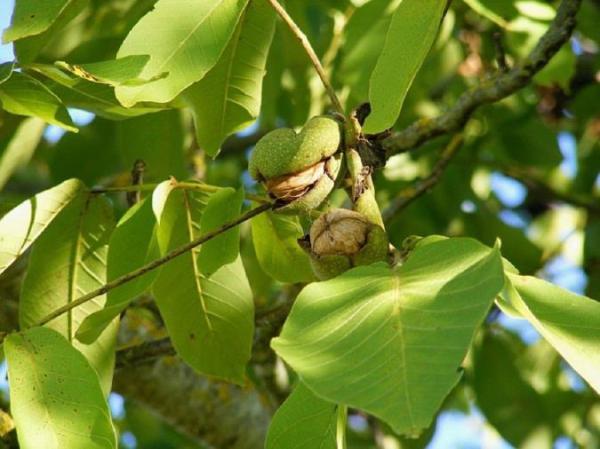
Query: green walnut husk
point(299, 170)
point(341, 239)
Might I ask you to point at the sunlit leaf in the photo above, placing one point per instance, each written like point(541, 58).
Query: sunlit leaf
point(198, 32)
point(209, 319)
point(570, 322)
point(411, 34)
point(20, 227)
point(228, 97)
point(56, 399)
point(31, 17)
point(66, 262)
point(131, 246)
point(224, 205)
point(392, 342)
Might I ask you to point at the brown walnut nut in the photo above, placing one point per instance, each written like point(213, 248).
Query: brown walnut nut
point(290, 187)
point(339, 232)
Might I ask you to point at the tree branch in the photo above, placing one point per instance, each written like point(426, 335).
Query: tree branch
point(314, 59)
point(407, 196)
point(501, 86)
point(155, 264)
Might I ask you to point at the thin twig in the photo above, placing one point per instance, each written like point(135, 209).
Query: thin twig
point(182, 185)
point(502, 86)
point(314, 59)
point(144, 352)
point(409, 195)
point(154, 264)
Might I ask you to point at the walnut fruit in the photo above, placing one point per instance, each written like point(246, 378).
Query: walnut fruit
point(299, 170)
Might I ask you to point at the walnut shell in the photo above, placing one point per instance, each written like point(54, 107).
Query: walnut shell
point(339, 232)
point(341, 239)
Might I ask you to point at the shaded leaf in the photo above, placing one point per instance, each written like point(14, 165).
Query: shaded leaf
point(509, 403)
point(391, 342)
point(411, 34)
point(132, 245)
point(79, 93)
point(198, 34)
point(24, 95)
point(66, 262)
point(20, 227)
point(159, 140)
point(6, 69)
point(228, 98)
point(21, 147)
point(303, 420)
point(90, 155)
point(276, 244)
point(56, 399)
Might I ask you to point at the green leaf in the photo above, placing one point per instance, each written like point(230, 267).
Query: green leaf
point(6, 69)
point(79, 93)
point(228, 98)
point(559, 70)
point(510, 403)
point(276, 244)
point(52, 39)
point(365, 37)
point(118, 72)
point(159, 140)
point(209, 319)
point(56, 399)
point(90, 155)
point(224, 205)
point(569, 322)
point(160, 196)
point(21, 147)
point(198, 34)
point(303, 421)
point(411, 34)
point(392, 342)
point(132, 245)
point(20, 227)
point(24, 95)
point(31, 17)
point(66, 262)
point(481, 8)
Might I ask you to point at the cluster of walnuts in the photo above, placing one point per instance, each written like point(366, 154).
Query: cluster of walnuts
point(299, 171)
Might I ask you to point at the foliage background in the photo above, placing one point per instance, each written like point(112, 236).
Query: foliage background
point(541, 235)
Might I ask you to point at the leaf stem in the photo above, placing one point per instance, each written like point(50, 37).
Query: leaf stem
point(154, 264)
point(314, 59)
point(342, 418)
